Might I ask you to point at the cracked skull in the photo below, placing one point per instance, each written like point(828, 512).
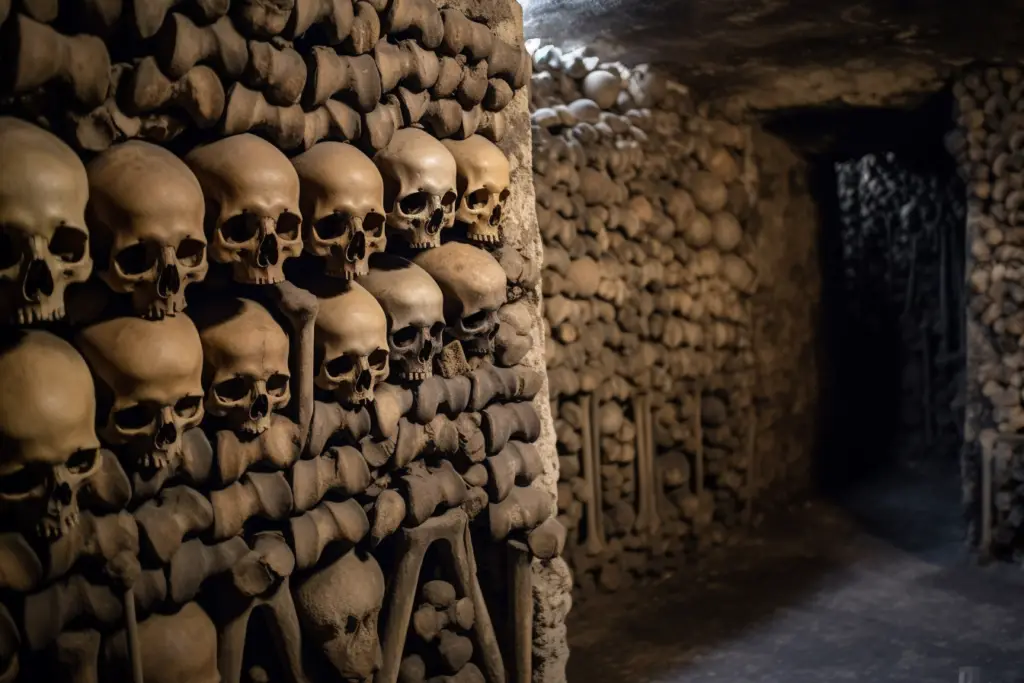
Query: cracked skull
point(473, 284)
point(245, 363)
point(44, 243)
point(419, 187)
point(414, 307)
point(149, 385)
point(252, 206)
point(146, 214)
point(342, 204)
point(483, 184)
point(338, 607)
point(48, 444)
point(351, 344)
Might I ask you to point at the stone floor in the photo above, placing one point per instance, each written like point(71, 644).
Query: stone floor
point(871, 588)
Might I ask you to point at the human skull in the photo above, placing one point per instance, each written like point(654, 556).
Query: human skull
point(351, 344)
point(245, 363)
point(473, 284)
point(419, 187)
point(252, 206)
point(483, 182)
point(149, 379)
point(146, 214)
point(179, 648)
point(342, 204)
point(44, 243)
point(338, 607)
point(414, 306)
point(48, 444)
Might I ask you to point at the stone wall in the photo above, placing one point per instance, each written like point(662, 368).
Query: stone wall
point(669, 418)
point(273, 399)
point(989, 147)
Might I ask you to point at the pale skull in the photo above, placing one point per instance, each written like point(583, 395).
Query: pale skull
point(179, 648)
point(252, 206)
point(414, 306)
point(483, 184)
point(149, 381)
point(338, 607)
point(146, 215)
point(44, 244)
point(245, 363)
point(351, 344)
point(419, 187)
point(48, 444)
point(342, 204)
point(473, 283)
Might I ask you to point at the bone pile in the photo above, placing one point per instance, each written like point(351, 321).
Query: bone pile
point(268, 379)
point(642, 199)
point(987, 144)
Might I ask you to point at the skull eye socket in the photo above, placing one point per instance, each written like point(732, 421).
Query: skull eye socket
point(240, 229)
point(188, 406)
point(374, 224)
point(478, 198)
point(136, 417)
point(378, 359)
point(82, 461)
point(342, 365)
point(417, 202)
point(29, 481)
point(436, 330)
point(288, 225)
point(10, 253)
point(232, 390)
point(503, 195)
point(69, 244)
point(135, 260)
point(475, 322)
point(405, 337)
point(277, 385)
point(351, 624)
point(448, 200)
point(190, 252)
point(331, 227)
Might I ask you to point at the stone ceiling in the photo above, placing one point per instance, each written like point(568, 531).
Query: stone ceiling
point(788, 53)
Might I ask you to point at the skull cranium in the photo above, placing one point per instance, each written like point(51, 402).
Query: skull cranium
point(483, 182)
point(146, 214)
point(342, 204)
point(44, 243)
point(245, 363)
point(179, 647)
point(149, 380)
point(252, 206)
point(338, 607)
point(48, 444)
point(351, 344)
point(414, 306)
point(473, 283)
point(419, 187)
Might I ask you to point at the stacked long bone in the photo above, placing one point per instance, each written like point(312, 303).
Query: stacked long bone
point(189, 439)
point(641, 201)
point(987, 144)
point(297, 72)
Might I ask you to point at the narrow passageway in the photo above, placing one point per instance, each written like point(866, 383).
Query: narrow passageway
point(873, 587)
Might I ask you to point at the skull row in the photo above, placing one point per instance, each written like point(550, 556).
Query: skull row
point(153, 218)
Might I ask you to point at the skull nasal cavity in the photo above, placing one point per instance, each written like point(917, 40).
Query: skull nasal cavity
point(356, 248)
point(38, 281)
point(426, 351)
point(364, 380)
point(259, 408)
point(168, 283)
point(62, 494)
point(267, 254)
point(166, 435)
point(434, 224)
point(495, 215)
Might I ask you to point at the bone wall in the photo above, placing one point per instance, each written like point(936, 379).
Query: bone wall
point(669, 418)
point(271, 355)
point(987, 144)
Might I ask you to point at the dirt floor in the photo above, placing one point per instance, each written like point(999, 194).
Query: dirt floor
point(875, 587)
